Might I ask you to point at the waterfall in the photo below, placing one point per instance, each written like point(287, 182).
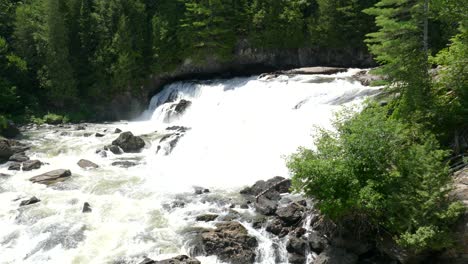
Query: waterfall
point(219, 134)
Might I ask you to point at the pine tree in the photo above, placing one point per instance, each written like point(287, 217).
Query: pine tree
point(400, 46)
point(60, 81)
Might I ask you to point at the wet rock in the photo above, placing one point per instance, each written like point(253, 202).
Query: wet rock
point(201, 190)
point(169, 142)
point(30, 201)
point(277, 227)
point(296, 258)
point(117, 131)
point(51, 177)
point(296, 245)
point(15, 166)
point(3, 175)
point(102, 154)
point(19, 157)
point(65, 133)
point(244, 206)
point(178, 128)
point(99, 135)
point(87, 208)
point(274, 193)
point(291, 213)
point(80, 127)
point(334, 255)
point(10, 130)
point(182, 259)
point(230, 216)
point(206, 217)
point(31, 165)
point(114, 149)
point(87, 134)
point(265, 206)
point(129, 143)
point(317, 243)
point(5, 150)
point(86, 164)
point(176, 110)
point(230, 242)
point(366, 78)
point(124, 164)
point(18, 146)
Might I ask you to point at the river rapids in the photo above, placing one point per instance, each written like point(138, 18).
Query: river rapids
point(233, 133)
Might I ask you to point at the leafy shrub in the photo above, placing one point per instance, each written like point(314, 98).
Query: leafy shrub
point(54, 119)
point(380, 168)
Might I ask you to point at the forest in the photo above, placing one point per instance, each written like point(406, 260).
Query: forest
point(66, 55)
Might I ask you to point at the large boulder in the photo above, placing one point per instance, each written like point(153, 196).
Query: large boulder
point(19, 157)
point(266, 206)
point(10, 130)
point(275, 187)
point(296, 245)
point(334, 255)
point(86, 164)
point(51, 177)
point(5, 150)
point(230, 242)
point(129, 143)
point(290, 214)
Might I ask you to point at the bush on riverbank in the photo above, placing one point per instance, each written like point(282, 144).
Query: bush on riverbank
point(389, 173)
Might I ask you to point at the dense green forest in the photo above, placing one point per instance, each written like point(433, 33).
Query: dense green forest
point(65, 55)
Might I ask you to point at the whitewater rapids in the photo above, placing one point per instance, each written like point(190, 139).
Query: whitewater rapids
point(241, 130)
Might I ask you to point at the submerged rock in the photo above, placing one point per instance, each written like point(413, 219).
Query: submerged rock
point(86, 164)
point(30, 201)
point(114, 149)
point(129, 143)
point(86, 208)
point(52, 177)
point(124, 164)
point(4, 175)
point(206, 217)
point(230, 242)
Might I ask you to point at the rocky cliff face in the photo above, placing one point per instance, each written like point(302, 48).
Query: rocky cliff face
point(246, 61)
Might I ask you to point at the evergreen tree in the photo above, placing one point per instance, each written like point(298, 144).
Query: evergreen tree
point(400, 46)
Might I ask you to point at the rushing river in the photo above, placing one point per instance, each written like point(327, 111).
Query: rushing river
point(240, 132)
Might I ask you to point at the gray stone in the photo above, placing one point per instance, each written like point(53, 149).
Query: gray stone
point(30, 201)
point(86, 208)
point(86, 164)
point(19, 157)
point(129, 143)
point(31, 165)
point(334, 255)
point(51, 177)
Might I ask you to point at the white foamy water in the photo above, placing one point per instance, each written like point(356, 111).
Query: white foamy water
point(240, 131)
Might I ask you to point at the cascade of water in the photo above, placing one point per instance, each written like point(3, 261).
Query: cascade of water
point(219, 134)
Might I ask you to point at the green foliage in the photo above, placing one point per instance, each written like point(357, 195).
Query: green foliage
point(451, 86)
point(54, 119)
point(399, 46)
point(381, 168)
